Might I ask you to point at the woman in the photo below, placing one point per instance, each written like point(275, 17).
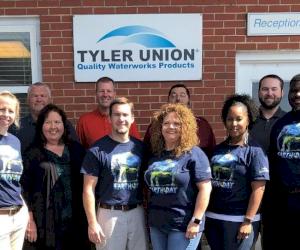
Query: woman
point(53, 185)
point(240, 170)
point(178, 177)
point(13, 211)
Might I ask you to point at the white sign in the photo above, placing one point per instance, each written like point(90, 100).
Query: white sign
point(273, 24)
point(148, 47)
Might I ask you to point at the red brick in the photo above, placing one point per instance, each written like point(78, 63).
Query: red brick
point(137, 2)
point(115, 3)
point(50, 19)
point(70, 3)
point(159, 2)
point(92, 2)
point(83, 99)
point(80, 10)
point(37, 11)
point(75, 107)
point(63, 100)
point(7, 4)
point(26, 4)
point(50, 33)
point(47, 3)
point(59, 11)
point(127, 10)
point(15, 11)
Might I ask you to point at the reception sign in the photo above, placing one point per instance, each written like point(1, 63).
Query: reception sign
point(273, 24)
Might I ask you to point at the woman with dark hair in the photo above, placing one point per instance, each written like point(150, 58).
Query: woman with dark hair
point(240, 170)
point(178, 177)
point(53, 185)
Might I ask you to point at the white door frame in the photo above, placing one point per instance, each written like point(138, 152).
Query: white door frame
point(251, 66)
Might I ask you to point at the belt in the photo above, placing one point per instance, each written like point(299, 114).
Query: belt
point(118, 207)
point(10, 210)
point(294, 190)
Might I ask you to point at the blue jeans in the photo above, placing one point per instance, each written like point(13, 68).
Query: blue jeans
point(222, 235)
point(172, 240)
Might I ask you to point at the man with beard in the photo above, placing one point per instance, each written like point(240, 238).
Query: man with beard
point(94, 125)
point(282, 207)
point(270, 92)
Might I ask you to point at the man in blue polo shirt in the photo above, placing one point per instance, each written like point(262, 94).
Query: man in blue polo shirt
point(113, 175)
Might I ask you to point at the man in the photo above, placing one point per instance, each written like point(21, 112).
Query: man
point(94, 125)
point(270, 93)
point(38, 96)
point(284, 155)
point(112, 172)
point(179, 93)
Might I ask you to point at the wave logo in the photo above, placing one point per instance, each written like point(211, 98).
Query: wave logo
point(143, 35)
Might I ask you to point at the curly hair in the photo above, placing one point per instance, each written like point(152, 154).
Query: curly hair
point(245, 100)
point(188, 137)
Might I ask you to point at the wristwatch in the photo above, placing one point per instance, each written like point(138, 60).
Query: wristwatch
point(196, 220)
point(248, 220)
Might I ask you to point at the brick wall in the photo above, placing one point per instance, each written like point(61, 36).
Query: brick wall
point(224, 33)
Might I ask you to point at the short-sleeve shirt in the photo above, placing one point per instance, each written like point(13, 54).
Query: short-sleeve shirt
point(118, 167)
point(173, 191)
point(233, 169)
point(94, 125)
point(285, 150)
point(11, 168)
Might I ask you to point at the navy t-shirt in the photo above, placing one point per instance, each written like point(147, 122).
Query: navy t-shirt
point(233, 169)
point(285, 150)
point(118, 167)
point(11, 168)
point(172, 184)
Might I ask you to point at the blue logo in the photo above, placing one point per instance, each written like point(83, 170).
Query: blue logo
point(143, 35)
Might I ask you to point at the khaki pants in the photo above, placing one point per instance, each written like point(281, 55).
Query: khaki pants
point(12, 229)
point(123, 230)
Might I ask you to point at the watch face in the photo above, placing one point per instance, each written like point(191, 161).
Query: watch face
point(197, 221)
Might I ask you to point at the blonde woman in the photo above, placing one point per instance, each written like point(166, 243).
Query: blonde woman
point(13, 211)
point(178, 177)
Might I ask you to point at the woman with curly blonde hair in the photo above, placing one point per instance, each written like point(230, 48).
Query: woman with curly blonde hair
point(178, 177)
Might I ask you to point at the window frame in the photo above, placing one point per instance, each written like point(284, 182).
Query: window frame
point(29, 24)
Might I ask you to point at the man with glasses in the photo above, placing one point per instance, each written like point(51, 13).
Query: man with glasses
point(179, 93)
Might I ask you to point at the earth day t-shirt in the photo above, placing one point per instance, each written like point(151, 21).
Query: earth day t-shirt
point(172, 184)
point(233, 169)
point(118, 167)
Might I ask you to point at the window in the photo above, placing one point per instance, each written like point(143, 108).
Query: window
point(19, 53)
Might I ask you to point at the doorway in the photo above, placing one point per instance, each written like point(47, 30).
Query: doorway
point(251, 66)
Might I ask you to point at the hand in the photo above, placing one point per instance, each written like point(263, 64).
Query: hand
point(245, 230)
point(31, 231)
point(192, 230)
point(96, 234)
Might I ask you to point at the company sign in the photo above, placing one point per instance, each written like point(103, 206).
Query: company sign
point(273, 24)
point(149, 47)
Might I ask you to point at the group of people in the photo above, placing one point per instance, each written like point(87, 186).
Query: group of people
point(59, 191)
